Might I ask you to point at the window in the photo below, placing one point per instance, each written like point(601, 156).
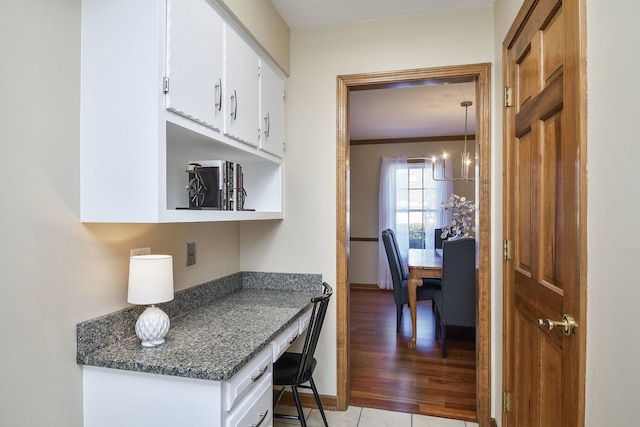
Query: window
point(410, 204)
point(417, 203)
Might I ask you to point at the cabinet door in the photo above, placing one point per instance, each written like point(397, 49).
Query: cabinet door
point(241, 89)
point(272, 110)
point(194, 61)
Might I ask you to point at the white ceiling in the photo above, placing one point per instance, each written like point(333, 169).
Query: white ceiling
point(316, 13)
point(431, 110)
point(411, 112)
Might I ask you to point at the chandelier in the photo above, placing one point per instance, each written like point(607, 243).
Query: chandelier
point(465, 157)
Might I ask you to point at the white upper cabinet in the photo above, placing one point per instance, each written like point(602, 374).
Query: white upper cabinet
point(137, 137)
point(271, 110)
point(241, 89)
point(193, 83)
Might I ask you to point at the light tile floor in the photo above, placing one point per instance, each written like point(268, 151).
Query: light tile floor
point(367, 417)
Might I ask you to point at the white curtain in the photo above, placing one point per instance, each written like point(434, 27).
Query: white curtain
point(387, 215)
point(388, 207)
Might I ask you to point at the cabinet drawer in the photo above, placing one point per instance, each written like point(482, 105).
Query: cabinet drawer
point(256, 408)
point(284, 340)
point(242, 382)
point(303, 321)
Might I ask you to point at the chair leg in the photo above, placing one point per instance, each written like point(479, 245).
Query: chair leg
point(296, 397)
point(437, 331)
point(318, 402)
point(444, 341)
point(277, 399)
point(398, 317)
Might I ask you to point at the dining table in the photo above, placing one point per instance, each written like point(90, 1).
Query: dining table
point(422, 263)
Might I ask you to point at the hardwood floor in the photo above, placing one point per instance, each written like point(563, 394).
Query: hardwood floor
point(387, 375)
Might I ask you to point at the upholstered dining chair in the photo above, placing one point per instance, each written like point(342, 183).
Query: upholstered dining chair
point(399, 277)
point(437, 238)
point(456, 301)
point(295, 370)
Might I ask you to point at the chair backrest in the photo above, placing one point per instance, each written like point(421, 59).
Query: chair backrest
point(459, 282)
point(404, 270)
point(319, 310)
point(395, 263)
point(437, 238)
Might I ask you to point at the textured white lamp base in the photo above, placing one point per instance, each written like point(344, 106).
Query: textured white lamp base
point(152, 326)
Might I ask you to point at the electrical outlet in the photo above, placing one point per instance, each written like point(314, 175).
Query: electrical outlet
point(140, 251)
point(191, 253)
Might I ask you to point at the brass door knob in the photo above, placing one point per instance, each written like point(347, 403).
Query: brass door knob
point(568, 324)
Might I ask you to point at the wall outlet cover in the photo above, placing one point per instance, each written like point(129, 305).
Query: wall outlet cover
point(191, 253)
point(140, 251)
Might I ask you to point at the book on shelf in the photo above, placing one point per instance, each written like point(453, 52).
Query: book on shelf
point(215, 184)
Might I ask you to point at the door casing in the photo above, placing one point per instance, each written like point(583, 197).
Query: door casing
point(481, 74)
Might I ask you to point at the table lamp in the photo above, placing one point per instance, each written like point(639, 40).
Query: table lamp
point(151, 282)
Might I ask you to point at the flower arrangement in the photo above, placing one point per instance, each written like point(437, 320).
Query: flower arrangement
point(462, 213)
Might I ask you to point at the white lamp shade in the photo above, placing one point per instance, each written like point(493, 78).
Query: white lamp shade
point(150, 279)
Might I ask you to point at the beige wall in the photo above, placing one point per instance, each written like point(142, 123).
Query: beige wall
point(55, 271)
point(265, 23)
point(306, 239)
point(364, 182)
point(613, 317)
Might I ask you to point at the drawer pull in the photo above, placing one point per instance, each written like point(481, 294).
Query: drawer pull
point(293, 339)
point(260, 374)
point(262, 418)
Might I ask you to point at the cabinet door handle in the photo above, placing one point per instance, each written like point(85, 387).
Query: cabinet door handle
point(262, 418)
point(260, 374)
point(234, 98)
point(218, 95)
point(267, 125)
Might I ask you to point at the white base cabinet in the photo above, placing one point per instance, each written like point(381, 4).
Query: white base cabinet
point(153, 98)
point(114, 397)
point(256, 409)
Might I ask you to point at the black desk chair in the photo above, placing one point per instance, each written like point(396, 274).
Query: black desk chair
point(456, 301)
point(399, 277)
point(295, 369)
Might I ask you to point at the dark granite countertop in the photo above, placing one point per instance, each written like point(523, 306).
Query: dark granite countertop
point(210, 341)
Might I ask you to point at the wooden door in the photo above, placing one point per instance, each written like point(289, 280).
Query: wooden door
point(545, 215)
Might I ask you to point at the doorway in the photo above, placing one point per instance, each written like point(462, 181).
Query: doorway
point(480, 73)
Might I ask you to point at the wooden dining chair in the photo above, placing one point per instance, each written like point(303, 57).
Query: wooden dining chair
point(400, 275)
point(456, 301)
